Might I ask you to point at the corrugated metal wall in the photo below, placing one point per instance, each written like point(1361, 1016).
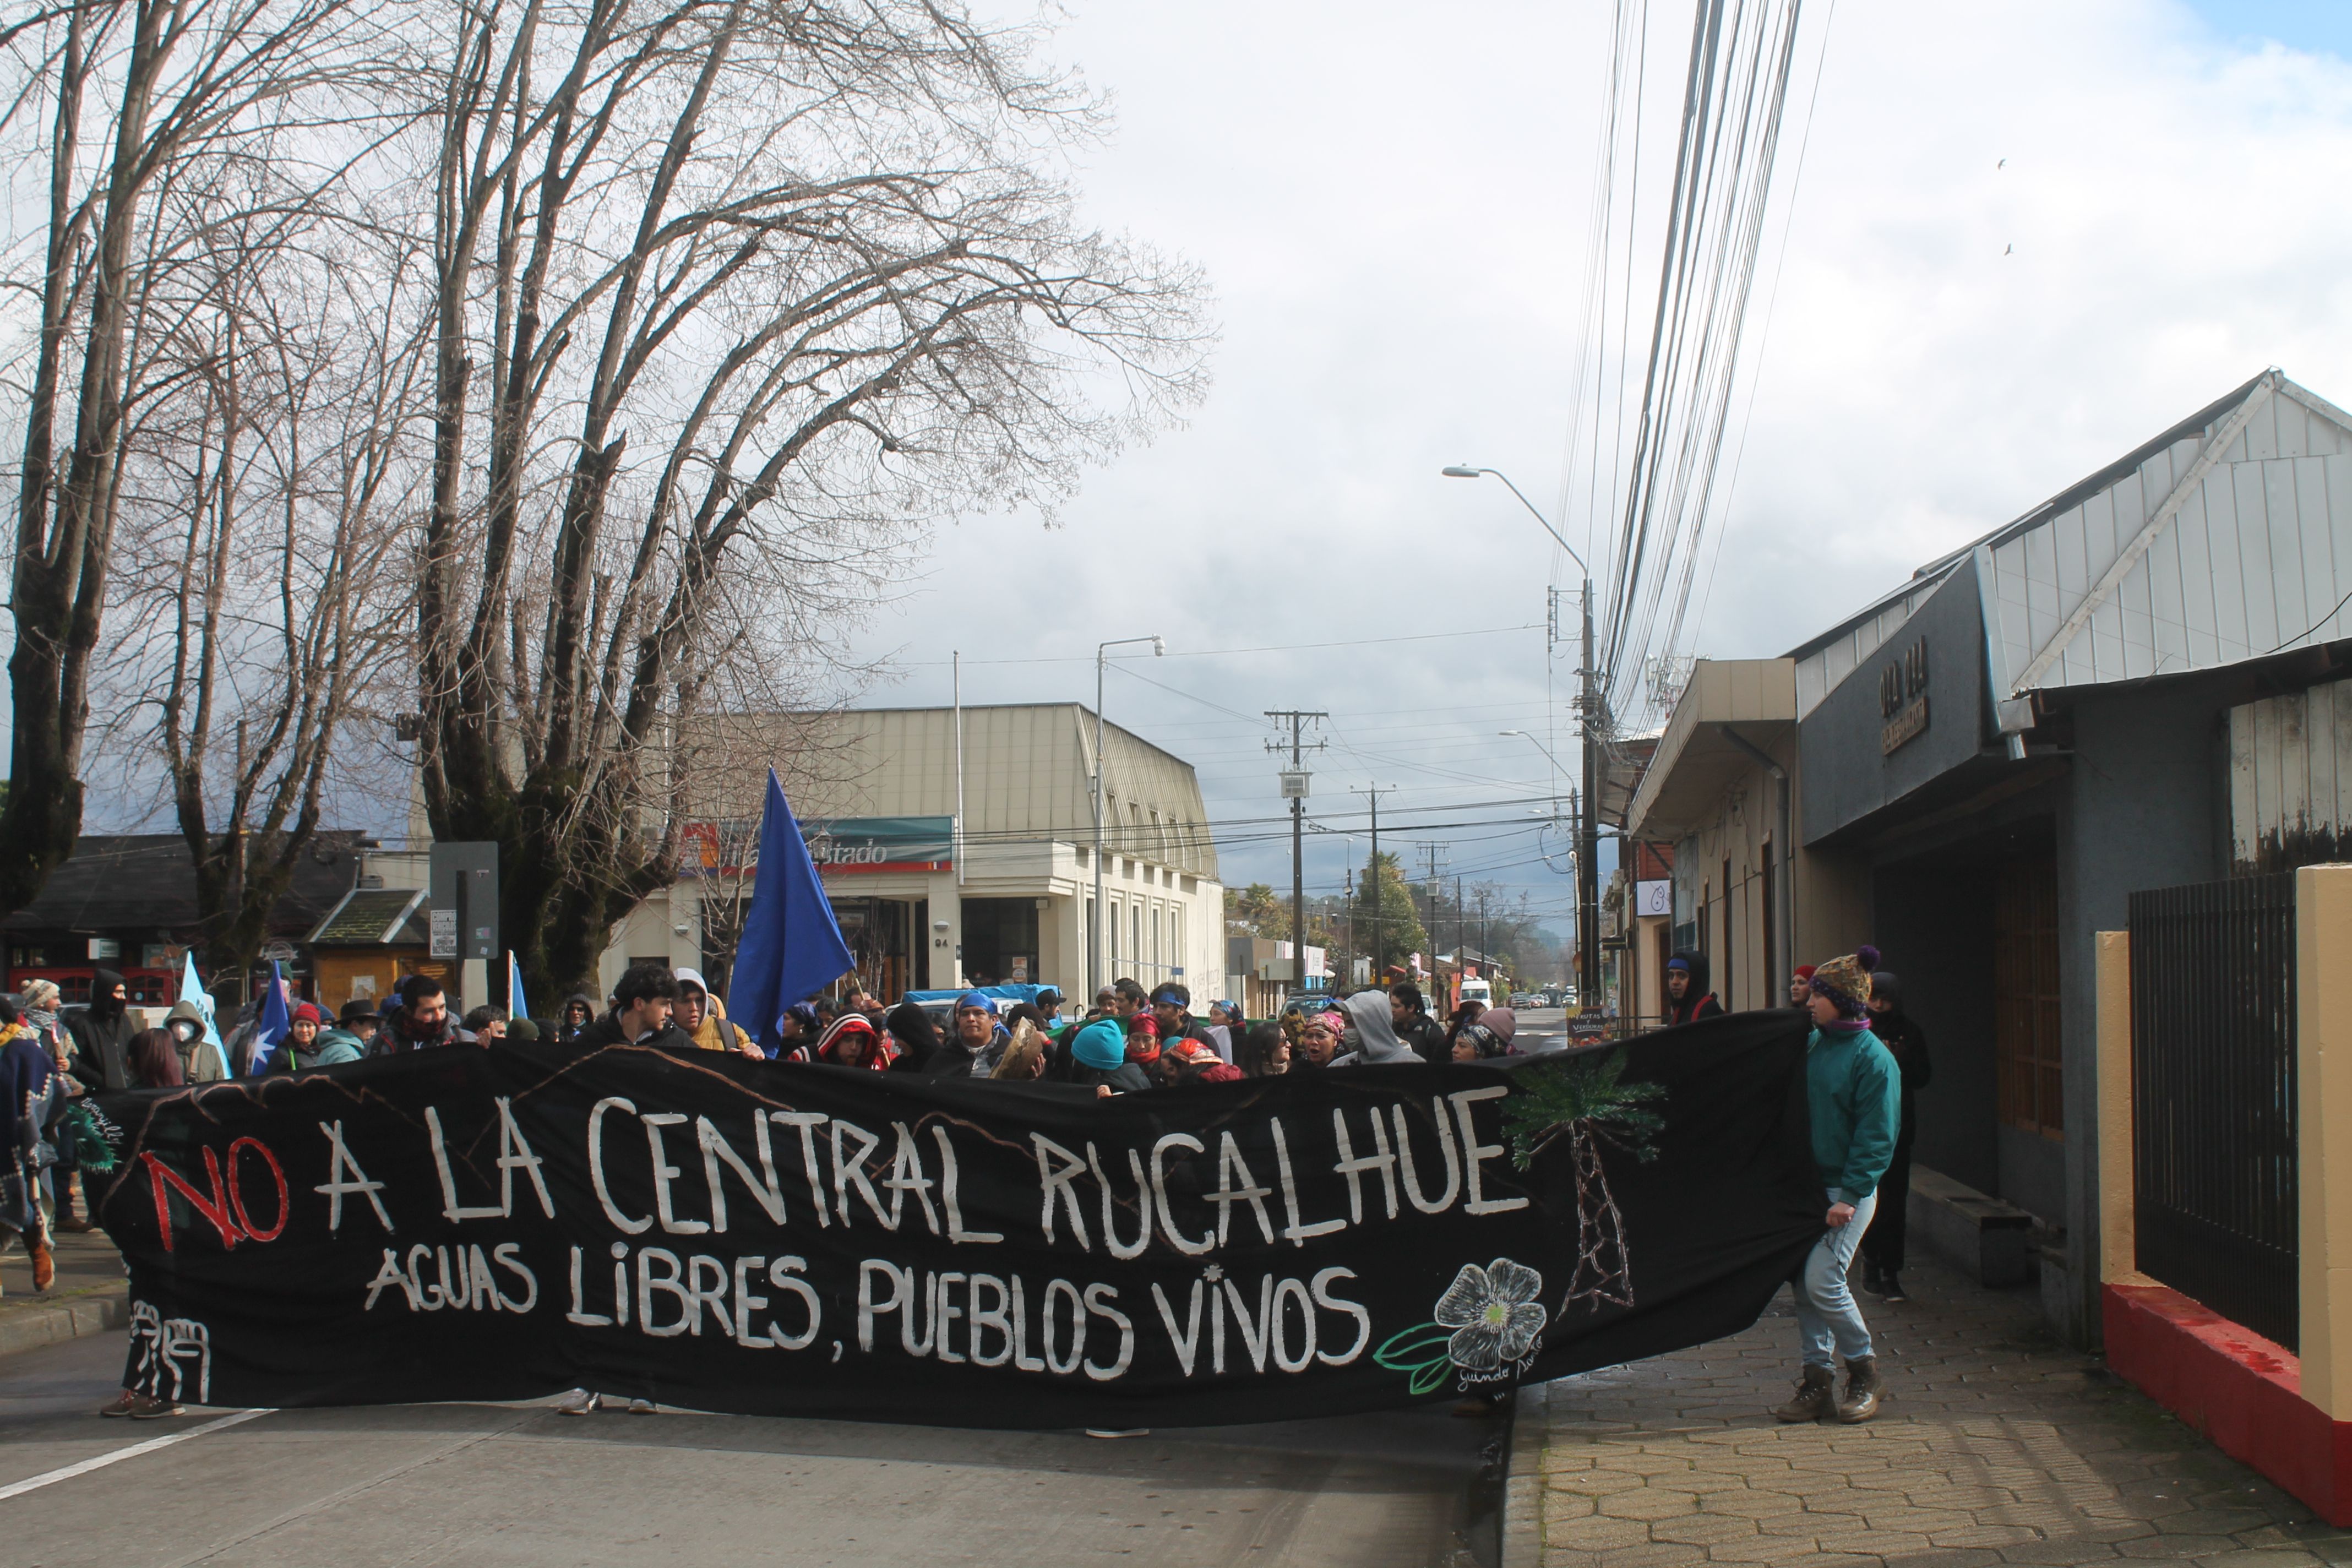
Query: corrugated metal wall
point(1027, 773)
point(2257, 559)
point(2291, 779)
point(1820, 671)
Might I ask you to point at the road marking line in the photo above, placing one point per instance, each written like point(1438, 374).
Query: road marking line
point(34, 1483)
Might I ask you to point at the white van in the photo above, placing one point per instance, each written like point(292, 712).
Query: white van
point(1478, 991)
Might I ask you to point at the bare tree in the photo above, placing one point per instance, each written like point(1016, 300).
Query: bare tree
point(729, 301)
point(110, 100)
point(279, 434)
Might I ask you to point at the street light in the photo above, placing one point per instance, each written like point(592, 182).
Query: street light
point(1556, 768)
point(1094, 925)
point(1588, 879)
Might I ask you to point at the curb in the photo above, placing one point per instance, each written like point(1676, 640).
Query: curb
point(1522, 1544)
point(91, 1312)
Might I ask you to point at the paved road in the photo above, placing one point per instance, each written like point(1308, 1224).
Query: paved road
point(492, 1484)
point(1540, 1028)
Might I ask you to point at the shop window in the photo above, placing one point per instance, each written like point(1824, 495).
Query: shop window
point(2026, 1012)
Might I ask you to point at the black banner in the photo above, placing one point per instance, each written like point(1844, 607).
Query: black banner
point(728, 1235)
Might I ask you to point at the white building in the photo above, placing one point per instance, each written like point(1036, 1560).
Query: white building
point(932, 895)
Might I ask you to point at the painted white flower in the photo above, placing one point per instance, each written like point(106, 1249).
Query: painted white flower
point(1494, 1313)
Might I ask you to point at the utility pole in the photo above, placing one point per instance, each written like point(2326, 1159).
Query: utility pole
point(1430, 855)
point(1373, 883)
point(1461, 929)
point(1590, 719)
point(1482, 937)
point(1293, 787)
point(1588, 850)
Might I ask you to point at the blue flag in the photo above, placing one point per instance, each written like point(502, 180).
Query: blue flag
point(791, 947)
point(516, 1006)
point(270, 1024)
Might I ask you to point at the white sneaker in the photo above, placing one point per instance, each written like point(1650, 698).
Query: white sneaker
point(579, 1401)
point(641, 1408)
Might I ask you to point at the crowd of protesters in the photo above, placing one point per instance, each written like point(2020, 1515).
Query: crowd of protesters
point(1867, 1060)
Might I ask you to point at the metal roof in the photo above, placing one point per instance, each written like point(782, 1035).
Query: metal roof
point(1696, 760)
point(130, 881)
point(1027, 771)
point(2226, 538)
point(372, 917)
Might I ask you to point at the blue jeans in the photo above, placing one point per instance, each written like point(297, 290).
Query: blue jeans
point(1827, 1317)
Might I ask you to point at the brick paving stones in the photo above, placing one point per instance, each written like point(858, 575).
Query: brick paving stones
point(1997, 1445)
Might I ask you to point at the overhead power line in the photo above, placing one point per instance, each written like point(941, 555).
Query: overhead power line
point(1735, 93)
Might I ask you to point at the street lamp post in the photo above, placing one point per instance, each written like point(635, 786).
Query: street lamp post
point(1095, 921)
point(1588, 870)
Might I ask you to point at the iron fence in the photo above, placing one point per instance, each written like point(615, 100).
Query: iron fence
point(2213, 1086)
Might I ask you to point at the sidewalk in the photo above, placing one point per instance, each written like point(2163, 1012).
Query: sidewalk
point(90, 1294)
point(1996, 1444)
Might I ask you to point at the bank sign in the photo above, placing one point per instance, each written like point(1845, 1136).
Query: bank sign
point(840, 847)
point(881, 844)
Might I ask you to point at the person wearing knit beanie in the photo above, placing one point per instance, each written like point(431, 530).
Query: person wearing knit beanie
point(1098, 1059)
point(1801, 987)
point(1851, 1088)
point(1845, 981)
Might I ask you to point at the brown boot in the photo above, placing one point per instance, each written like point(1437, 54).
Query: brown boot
point(1863, 1387)
point(1816, 1396)
point(45, 1266)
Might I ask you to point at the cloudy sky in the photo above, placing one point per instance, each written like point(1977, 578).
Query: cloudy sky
point(2024, 238)
point(1391, 203)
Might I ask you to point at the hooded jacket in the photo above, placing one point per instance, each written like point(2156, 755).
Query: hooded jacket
point(566, 1032)
point(917, 1038)
point(1376, 1038)
point(200, 1059)
point(1906, 1042)
point(99, 1033)
point(714, 1033)
point(1697, 1001)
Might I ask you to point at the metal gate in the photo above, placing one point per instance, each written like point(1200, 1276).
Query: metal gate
point(2213, 1087)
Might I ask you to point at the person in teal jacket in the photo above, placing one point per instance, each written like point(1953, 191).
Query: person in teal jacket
point(1854, 1089)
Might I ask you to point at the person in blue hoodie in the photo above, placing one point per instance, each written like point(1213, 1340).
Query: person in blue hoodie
point(1854, 1089)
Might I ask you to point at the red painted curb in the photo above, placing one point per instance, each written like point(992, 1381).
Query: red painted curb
point(2243, 1391)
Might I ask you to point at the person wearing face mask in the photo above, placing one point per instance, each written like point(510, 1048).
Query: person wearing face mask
point(200, 1059)
point(101, 1032)
point(1377, 1043)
